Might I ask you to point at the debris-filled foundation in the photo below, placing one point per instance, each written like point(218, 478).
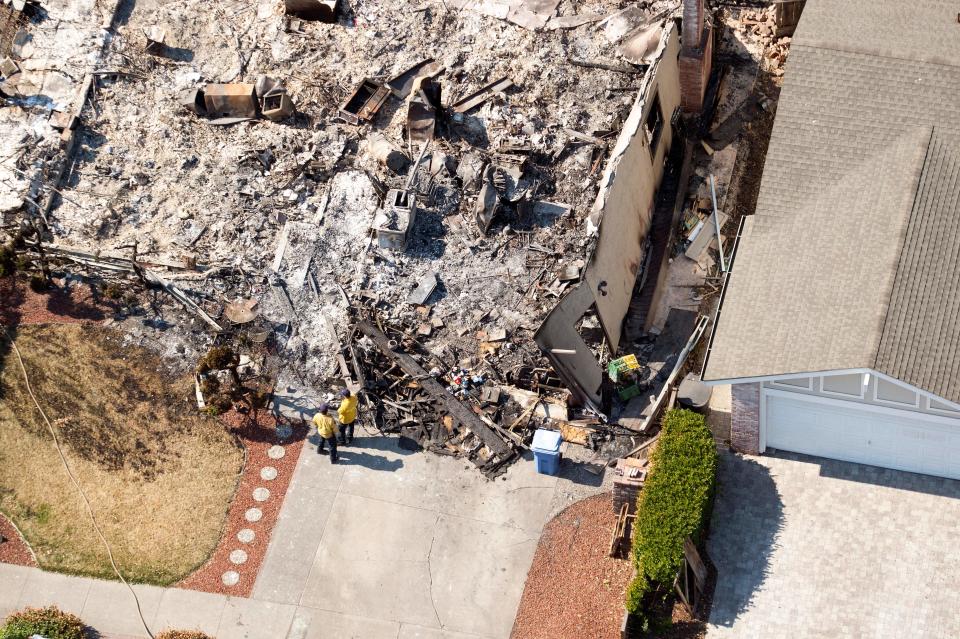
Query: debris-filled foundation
point(446, 206)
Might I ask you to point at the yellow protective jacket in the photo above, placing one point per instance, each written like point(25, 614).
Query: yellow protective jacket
point(348, 410)
point(326, 426)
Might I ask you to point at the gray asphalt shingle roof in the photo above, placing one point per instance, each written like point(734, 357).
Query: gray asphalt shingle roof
point(852, 259)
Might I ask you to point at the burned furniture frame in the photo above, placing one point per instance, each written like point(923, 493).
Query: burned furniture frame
point(365, 101)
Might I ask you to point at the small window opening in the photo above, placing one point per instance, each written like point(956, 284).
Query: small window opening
point(653, 125)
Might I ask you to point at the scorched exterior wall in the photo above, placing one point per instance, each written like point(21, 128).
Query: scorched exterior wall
point(623, 211)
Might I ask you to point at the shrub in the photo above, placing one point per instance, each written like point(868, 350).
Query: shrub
point(50, 622)
point(677, 497)
point(636, 593)
point(39, 283)
point(113, 291)
point(183, 634)
point(8, 261)
point(218, 358)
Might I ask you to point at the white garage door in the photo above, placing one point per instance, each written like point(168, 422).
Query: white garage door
point(892, 439)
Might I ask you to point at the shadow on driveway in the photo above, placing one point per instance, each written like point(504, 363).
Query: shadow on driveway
point(747, 519)
point(876, 476)
point(348, 456)
point(351, 455)
point(586, 472)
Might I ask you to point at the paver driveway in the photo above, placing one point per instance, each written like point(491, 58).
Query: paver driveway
point(810, 547)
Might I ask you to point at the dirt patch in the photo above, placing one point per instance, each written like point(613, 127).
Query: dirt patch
point(13, 547)
point(160, 475)
point(258, 433)
point(72, 305)
point(573, 588)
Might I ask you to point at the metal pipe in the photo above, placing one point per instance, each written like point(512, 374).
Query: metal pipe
point(716, 221)
point(416, 165)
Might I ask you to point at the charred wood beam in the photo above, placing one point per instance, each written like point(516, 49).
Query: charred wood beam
point(606, 66)
point(124, 265)
point(460, 412)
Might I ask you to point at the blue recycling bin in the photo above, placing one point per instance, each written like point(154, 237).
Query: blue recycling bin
point(546, 451)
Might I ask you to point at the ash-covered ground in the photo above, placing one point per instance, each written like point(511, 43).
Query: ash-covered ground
point(280, 212)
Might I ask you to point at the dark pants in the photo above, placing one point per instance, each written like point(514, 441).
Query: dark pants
point(333, 447)
point(346, 433)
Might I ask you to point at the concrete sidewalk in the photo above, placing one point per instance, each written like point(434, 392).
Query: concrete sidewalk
point(109, 608)
point(386, 544)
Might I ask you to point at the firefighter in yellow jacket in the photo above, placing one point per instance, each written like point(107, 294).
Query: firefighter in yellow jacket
point(327, 432)
point(347, 414)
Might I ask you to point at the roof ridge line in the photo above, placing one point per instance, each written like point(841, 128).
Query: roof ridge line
point(893, 281)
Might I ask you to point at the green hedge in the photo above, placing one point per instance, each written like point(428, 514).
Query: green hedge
point(50, 622)
point(675, 502)
point(637, 592)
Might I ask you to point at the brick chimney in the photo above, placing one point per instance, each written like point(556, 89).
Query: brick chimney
point(696, 56)
point(692, 21)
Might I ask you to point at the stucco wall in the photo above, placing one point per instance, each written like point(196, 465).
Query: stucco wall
point(623, 210)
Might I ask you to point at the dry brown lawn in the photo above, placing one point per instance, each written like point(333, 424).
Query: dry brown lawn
point(160, 476)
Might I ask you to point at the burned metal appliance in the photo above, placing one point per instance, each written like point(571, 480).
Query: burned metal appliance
point(230, 101)
point(275, 103)
point(394, 222)
point(422, 110)
point(364, 102)
point(277, 106)
point(402, 84)
point(194, 100)
point(322, 10)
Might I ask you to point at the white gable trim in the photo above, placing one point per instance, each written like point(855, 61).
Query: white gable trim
point(845, 371)
point(941, 422)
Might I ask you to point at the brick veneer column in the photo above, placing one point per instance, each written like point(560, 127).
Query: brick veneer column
point(745, 418)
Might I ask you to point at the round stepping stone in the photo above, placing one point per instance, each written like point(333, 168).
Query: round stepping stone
point(238, 557)
point(253, 515)
point(284, 431)
point(246, 535)
point(261, 494)
point(268, 473)
point(230, 578)
point(276, 452)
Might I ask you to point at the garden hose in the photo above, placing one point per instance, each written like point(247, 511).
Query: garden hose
point(73, 479)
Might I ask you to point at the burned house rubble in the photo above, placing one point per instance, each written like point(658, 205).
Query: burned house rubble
point(448, 205)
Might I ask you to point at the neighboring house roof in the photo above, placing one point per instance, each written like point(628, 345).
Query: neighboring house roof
point(852, 259)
